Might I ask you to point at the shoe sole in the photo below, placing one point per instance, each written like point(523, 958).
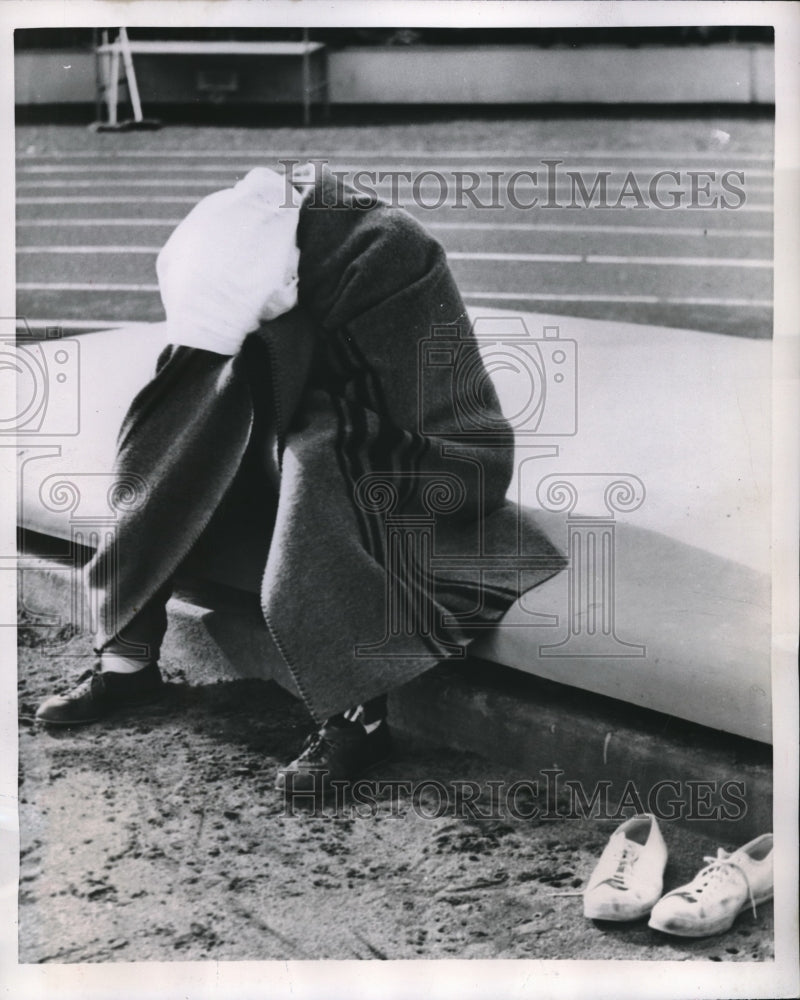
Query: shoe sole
point(718, 927)
point(147, 699)
point(599, 913)
point(324, 788)
point(66, 723)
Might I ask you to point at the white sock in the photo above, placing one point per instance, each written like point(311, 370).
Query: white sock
point(356, 714)
point(113, 663)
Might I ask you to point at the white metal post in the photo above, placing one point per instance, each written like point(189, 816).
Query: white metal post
point(130, 75)
point(113, 87)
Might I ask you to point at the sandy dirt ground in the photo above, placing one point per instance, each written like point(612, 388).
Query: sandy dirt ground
point(157, 835)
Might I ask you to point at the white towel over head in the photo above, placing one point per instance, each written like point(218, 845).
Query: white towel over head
point(231, 263)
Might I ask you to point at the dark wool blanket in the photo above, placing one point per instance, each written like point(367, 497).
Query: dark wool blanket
point(392, 543)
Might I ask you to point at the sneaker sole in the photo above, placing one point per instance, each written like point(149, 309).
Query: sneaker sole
point(708, 930)
point(600, 913)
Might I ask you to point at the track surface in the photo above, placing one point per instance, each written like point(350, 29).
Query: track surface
point(93, 210)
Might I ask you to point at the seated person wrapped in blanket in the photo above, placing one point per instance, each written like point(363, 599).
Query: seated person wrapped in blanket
point(323, 396)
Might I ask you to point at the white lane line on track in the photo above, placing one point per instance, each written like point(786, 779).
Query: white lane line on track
point(433, 184)
point(101, 249)
point(374, 170)
point(622, 230)
point(82, 286)
point(205, 182)
point(615, 154)
point(511, 258)
point(177, 199)
point(531, 227)
point(79, 324)
point(636, 299)
point(594, 258)
point(522, 227)
point(90, 223)
point(765, 208)
point(478, 296)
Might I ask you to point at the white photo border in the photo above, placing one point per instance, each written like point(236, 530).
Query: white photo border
point(465, 979)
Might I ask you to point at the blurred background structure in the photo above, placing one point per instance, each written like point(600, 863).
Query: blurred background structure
point(426, 66)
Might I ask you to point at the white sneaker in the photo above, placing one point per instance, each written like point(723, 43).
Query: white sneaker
point(711, 902)
point(629, 877)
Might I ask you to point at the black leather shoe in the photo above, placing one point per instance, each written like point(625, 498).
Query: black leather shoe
point(338, 752)
point(98, 693)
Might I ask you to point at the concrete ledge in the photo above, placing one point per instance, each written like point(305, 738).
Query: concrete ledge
point(529, 724)
point(690, 640)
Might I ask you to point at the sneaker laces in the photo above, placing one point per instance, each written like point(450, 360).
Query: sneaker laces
point(627, 855)
point(315, 742)
point(716, 868)
point(86, 679)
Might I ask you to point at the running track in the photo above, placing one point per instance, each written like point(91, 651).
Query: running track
point(90, 224)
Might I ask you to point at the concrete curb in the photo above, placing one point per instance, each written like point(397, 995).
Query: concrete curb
point(575, 745)
point(569, 747)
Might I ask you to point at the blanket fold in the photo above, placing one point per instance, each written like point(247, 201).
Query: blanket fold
point(389, 451)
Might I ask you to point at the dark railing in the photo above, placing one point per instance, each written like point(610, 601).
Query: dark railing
point(45, 38)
